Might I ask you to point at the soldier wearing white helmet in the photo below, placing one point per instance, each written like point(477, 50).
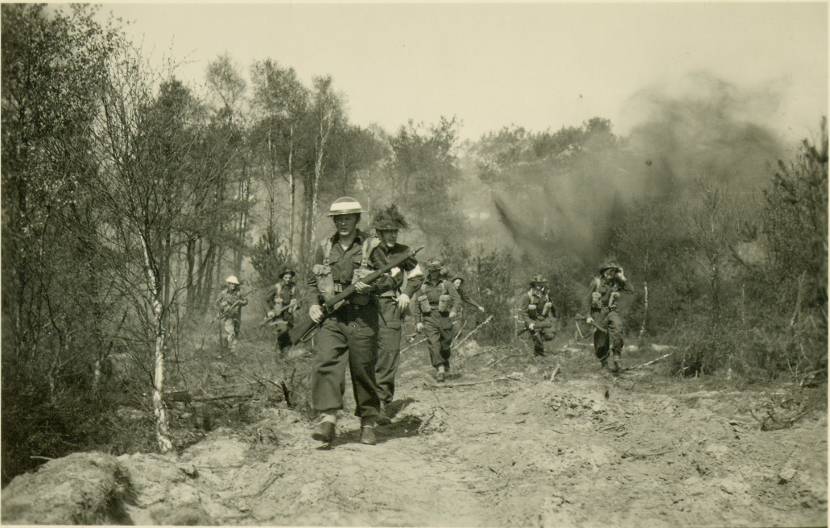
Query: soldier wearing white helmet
point(606, 288)
point(350, 334)
point(230, 304)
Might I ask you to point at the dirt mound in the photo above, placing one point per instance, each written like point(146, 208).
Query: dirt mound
point(82, 488)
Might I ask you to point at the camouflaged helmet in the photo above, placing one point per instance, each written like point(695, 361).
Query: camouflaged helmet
point(435, 265)
point(538, 279)
point(609, 264)
point(288, 270)
point(389, 218)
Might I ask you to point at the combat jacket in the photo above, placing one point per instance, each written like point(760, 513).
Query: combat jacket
point(230, 304)
point(342, 265)
point(604, 293)
point(408, 278)
point(282, 296)
point(429, 299)
point(533, 307)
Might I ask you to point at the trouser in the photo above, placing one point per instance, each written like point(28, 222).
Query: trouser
point(540, 336)
point(283, 339)
point(229, 333)
point(348, 336)
point(389, 347)
point(438, 329)
point(610, 342)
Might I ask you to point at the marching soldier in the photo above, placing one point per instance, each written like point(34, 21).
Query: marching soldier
point(350, 334)
point(282, 303)
point(393, 304)
point(458, 284)
point(605, 288)
point(436, 308)
point(538, 314)
point(230, 302)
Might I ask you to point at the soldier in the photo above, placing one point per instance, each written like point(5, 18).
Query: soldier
point(605, 288)
point(458, 284)
point(230, 302)
point(436, 308)
point(393, 304)
point(282, 303)
point(538, 314)
point(349, 334)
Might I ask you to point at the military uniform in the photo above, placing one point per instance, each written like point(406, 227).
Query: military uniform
point(408, 280)
point(230, 303)
point(603, 309)
point(435, 303)
point(349, 334)
point(283, 301)
point(536, 309)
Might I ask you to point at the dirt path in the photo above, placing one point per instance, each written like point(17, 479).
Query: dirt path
point(584, 450)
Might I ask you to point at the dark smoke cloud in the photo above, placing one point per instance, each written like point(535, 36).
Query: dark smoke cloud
point(702, 129)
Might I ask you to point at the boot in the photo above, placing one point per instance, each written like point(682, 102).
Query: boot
point(367, 435)
point(325, 429)
point(384, 416)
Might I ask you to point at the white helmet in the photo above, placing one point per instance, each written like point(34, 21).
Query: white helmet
point(232, 280)
point(345, 205)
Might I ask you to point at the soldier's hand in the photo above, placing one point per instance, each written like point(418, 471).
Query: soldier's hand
point(361, 287)
point(531, 327)
point(403, 301)
point(419, 327)
point(452, 315)
point(481, 309)
point(589, 320)
point(315, 311)
point(270, 314)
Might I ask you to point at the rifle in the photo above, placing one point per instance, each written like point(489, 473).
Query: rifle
point(224, 313)
point(304, 325)
point(536, 326)
point(274, 319)
point(594, 323)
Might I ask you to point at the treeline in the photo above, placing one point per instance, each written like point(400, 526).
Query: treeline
point(128, 195)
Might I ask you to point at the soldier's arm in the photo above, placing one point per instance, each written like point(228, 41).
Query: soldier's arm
point(454, 296)
point(414, 279)
point(385, 282)
point(592, 289)
point(313, 294)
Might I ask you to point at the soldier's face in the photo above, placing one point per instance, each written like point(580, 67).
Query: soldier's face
point(346, 224)
point(456, 283)
point(287, 277)
point(388, 236)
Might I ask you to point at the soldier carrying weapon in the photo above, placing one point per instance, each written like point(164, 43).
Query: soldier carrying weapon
point(538, 314)
point(605, 288)
point(282, 302)
point(230, 303)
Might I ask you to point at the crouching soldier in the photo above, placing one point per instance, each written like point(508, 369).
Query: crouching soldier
point(435, 308)
point(606, 288)
point(538, 314)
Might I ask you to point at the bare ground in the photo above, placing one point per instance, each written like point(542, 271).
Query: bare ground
point(500, 444)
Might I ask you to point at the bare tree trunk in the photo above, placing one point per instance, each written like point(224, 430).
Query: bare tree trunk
point(645, 309)
point(159, 410)
point(325, 129)
point(291, 190)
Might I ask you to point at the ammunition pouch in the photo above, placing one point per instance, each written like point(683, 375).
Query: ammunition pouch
point(444, 303)
point(531, 310)
point(423, 304)
point(325, 282)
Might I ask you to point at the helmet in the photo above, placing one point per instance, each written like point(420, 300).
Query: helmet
point(434, 265)
point(345, 205)
point(538, 279)
point(458, 277)
point(288, 270)
point(609, 264)
point(232, 280)
point(389, 218)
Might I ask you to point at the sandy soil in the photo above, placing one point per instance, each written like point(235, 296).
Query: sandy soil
point(516, 449)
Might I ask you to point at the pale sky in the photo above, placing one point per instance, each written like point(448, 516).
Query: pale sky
point(535, 65)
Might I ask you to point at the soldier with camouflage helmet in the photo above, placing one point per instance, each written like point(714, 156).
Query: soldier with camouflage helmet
point(349, 335)
point(230, 303)
point(393, 304)
point(605, 289)
point(538, 314)
point(435, 307)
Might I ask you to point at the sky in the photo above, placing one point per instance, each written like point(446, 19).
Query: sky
point(540, 66)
